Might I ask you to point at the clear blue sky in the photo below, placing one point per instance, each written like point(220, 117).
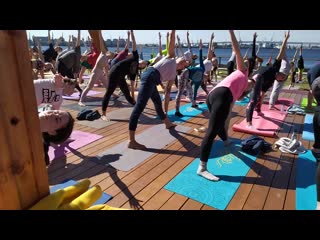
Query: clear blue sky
point(151, 36)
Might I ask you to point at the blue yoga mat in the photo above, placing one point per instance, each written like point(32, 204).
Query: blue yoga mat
point(230, 164)
point(104, 198)
point(308, 128)
point(188, 112)
point(306, 192)
point(243, 102)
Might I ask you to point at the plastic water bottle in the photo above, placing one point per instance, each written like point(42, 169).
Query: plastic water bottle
point(282, 109)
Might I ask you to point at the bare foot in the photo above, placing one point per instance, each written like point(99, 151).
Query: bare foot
point(200, 129)
point(227, 142)
point(251, 127)
point(271, 107)
point(137, 146)
point(104, 118)
point(261, 114)
point(170, 125)
point(81, 104)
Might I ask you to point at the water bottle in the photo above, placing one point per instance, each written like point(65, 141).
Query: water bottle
point(282, 109)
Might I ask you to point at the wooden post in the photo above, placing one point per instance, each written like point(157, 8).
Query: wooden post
point(23, 175)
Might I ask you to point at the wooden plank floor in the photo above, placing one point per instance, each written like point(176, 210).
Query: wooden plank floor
point(269, 184)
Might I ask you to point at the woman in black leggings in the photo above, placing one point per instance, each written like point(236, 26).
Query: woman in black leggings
point(220, 102)
point(264, 79)
point(118, 71)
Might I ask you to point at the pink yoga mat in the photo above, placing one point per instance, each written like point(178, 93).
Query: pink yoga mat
point(77, 140)
point(75, 95)
point(268, 124)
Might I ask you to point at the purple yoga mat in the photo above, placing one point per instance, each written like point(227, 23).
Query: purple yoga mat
point(77, 140)
point(75, 95)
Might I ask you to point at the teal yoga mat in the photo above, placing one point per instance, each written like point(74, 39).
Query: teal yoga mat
point(228, 163)
point(243, 102)
point(307, 133)
point(306, 192)
point(188, 112)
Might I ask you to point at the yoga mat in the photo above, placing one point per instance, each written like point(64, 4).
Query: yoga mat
point(154, 138)
point(304, 104)
point(201, 98)
point(243, 102)
point(77, 107)
point(119, 115)
point(187, 111)
point(307, 133)
point(306, 191)
point(268, 124)
point(172, 96)
point(103, 199)
point(75, 95)
point(230, 164)
point(77, 140)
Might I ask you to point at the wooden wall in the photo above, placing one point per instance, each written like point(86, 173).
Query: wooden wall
point(23, 175)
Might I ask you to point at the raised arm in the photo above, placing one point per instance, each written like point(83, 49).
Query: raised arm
point(69, 42)
point(78, 39)
point(40, 52)
point(179, 45)
point(295, 55)
point(49, 37)
point(300, 50)
point(101, 41)
point(210, 51)
point(90, 43)
point(171, 52)
point(246, 54)
point(200, 55)
point(167, 42)
point(118, 43)
point(134, 45)
point(254, 53)
point(165, 51)
point(270, 58)
point(160, 45)
point(73, 41)
point(128, 40)
point(188, 41)
point(283, 46)
point(235, 45)
point(35, 48)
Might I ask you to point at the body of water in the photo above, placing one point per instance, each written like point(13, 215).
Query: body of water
point(310, 56)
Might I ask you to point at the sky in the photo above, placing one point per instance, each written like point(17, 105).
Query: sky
point(151, 36)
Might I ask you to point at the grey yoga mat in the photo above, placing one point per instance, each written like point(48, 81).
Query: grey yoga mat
point(124, 159)
point(119, 115)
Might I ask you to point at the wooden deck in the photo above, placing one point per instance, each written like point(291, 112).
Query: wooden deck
point(269, 184)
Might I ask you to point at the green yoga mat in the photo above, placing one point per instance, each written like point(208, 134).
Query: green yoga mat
point(304, 104)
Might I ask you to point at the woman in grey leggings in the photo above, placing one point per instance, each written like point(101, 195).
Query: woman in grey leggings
point(278, 85)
